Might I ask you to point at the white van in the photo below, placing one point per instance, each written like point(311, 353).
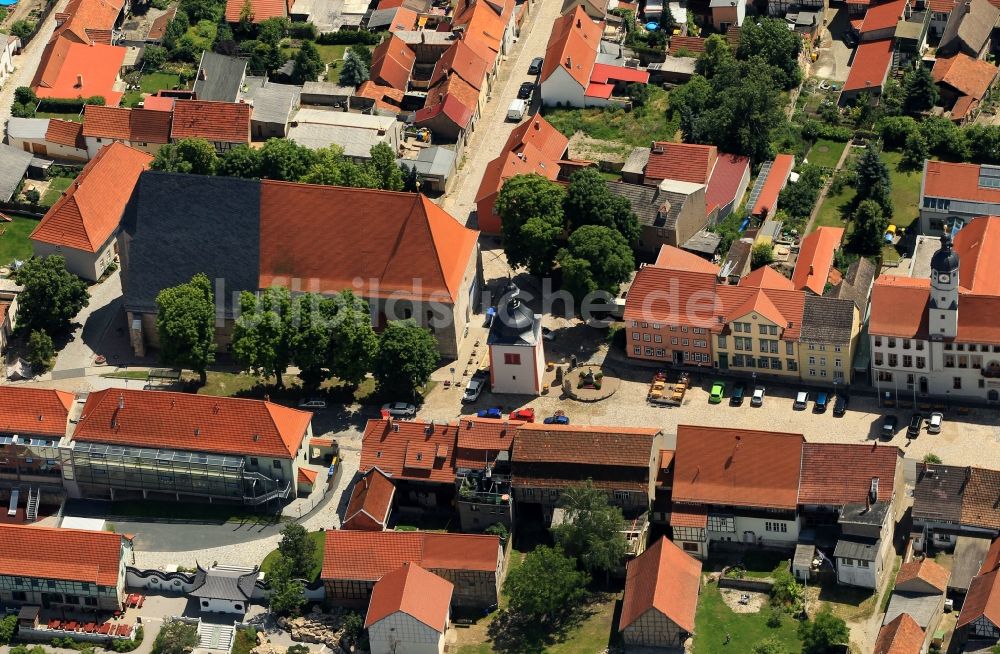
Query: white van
point(517, 109)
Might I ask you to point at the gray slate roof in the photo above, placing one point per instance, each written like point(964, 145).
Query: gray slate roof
point(970, 551)
point(272, 103)
point(969, 25)
point(827, 320)
point(856, 284)
point(937, 494)
point(233, 584)
point(13, 165)
point(636, 161)
point(436, 161)
point(647, 202)
point(704, 242)
point(27, 128)
point(865, 550)
point(219, 77)
point(176, 226)
point(922, 608)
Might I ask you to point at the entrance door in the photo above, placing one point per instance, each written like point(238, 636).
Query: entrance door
point(678, 357)
point(723, 361)
point(749, 538)
point(923, 385)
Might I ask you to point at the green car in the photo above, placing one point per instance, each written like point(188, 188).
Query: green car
point(718, 390)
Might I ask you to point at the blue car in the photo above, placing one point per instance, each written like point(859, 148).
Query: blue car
point(557, 420)
point(495, 413)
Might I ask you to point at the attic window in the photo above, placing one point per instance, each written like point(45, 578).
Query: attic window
point(378, 455)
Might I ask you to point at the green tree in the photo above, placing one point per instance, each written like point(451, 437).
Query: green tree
point(894, 130)
point(32, 195)
point(175, 637)
point(241, 161)
point(823, 633)
point(383, 167)
point(638, 93)
point(407, 355)
point(312, 316)
point(761, 255)
point(590, 202)
point(300, 550)
point(984, 143)
point(353, 72)
point(154, 56)
point(531, 214)
point(930, 457)
point(592, 529)
point(285, 160)
point(51, 295)
point(363, 53)
point(272, 30)
point(873, 181)
point(716, 56)
point(25, 95)
point(606, 252)
point(262, 334)
point(287, 592)
point(8, 627)
point(920, 93)
point(546, 586)
point(192, 156)
point(41, 350)
point(354, 345)
point(915, 152)
point(945, 139)
point(576, 276)
point(770, 39)
point(786, 592)
point(186, 324)
point(199, 10)
point(176, 28)
point(23, 29)
point(769, 646)
point(309, 65)
point(870, 225)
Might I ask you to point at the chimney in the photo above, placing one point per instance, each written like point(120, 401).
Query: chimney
point(423, 37)
point(538, 126)
point(569, 62)
point(79, 80)
point(202, 75)
point(121, 401)
point(812, 271)
point(579, 23)
point(197, 431)
point(395, 426)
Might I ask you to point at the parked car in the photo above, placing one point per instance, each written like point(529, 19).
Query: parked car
point(736, 397)
point(758, 397)
point(526, 414)
point(840, 406)
point(536, 66)
point(819, 406)
point(473, 390)
point(561, 419)
point(312, 403)
point(525, 90)
point(935, 422)
point(718, 390)
point(850, 41)
point(400, 409)
point(889, 425)
point(493, 413)
point(801, 400)
point(916, 422)
point(516, 110)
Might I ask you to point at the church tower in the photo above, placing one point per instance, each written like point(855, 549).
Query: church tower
point(943, 317)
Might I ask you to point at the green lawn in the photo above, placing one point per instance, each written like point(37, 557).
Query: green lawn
point(905, 190)
point(56, 186)
point(14, 243)
point(826, 153)
point(317, 537)
point(330, 54)
point(187, 512)
point(76, 117)
point(151, 83)
point(831, 211)
point(230, 384)
point(141, 375)
point(628, 129)
point(715, 620)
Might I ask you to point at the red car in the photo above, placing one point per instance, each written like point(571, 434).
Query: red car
point(524, 415)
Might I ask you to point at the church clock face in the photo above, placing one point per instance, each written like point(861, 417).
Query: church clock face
point(944, 278)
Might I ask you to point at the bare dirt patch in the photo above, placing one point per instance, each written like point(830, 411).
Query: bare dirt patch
point(754, 604)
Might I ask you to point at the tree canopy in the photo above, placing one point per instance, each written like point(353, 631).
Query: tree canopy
point(299, 549)
point(192, 156)
point(175, 637)
point(870, 225)
point(185, 323)
point(592, 529)
point(353, 71)
point(823, 632)
point(608, 256)
point(531, 212)
point(778, 46)
point(407, 355)
point(261, 336)
point(546, 586)
point(308, 65)
point(872, 180)
point(590, 202)
point(920, 93)
point(51, 296)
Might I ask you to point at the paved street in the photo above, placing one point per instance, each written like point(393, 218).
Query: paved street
point(493, 129)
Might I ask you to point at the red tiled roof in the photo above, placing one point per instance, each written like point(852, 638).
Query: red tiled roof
point(381, 95)
point(685, 162)
point(584, 445)
point(453, 108)
point(663, 578)
point(767, 277)
point(541, 134)
point(925, 570)
point(899, 307)
point(460, 59)
point(61, 554)
point(777, 177)
point(871, 65)
point(689, 515)
point(479, 441)
point(404, 237)
point(196, 423)
point(228, 122)
point(835, 474)
point(158, 103)
point(411, 590)
point(677, 259)
point(963, 105)
point(88, 21)
point(599, 90)
point(74, 70)
point(737, 467)
point(983, 599)
point(159, 27)
point(307, 476)
point(883, 15)
point(65, 132)
point(726, 184)
point(484, 25)
point(453, 86)
point(260, 10)
point(134, 125)
point(981, 497)
point(900, 636)
point(34, 411)
point(369, 555)
point(573, 45)
point(942, 6)
point(977, 245)
point(408, 449)
point(392, 63)
point(604, 73)
point(968, 76)
point(693, 44)
point(992, 560)
point(812, 268)
point(371, 501)
point(957, 181)
point(89, 211)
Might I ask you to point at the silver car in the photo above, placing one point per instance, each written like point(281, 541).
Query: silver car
point(400, 409)
point(934, 423)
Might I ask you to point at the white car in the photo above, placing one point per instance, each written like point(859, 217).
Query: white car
point(472, 391)
point(934, 423)
point(758, 397)
point(400, 409)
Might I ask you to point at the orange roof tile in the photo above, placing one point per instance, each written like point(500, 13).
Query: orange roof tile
point(689, 515)
point(74, 70)
point(942, 6)
point(968, 76)
point(89, 211)
point(460, 59)
point(726, 184)
point(484, 26)
point(870, 66)
point(685, 162)
point(992, 559)
point(573, 45)
point(925, 570)
point(677, 259)
point(693, 44)
point(196, 423)
point(957, 181)
point(134, 125)
point(584, 445)
point(158, 103)
point(883, 15)
point(737, 467)
point(777, 177)
point(977, 245)
point(34, 411)
point(812, 268)
point(228, 122)
point(87, 21)
point(663, 578)
point(479, 441)
point(411, 590)
point(899, 307)
point(407, 449)
point(835, 474)
point(392, 63)
point(404, 19)
point(307, 476)
point(983, 599)
point(260, 10)
point(981, 498)
point(159, 27)
point(371, 501)
point(369, 555)
point(456, 87)
point(767, 277)
point(405, 237)
point(65, 132)
point(900, 636)
point(541, 134)
point(61, 554)
point(382, 95)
